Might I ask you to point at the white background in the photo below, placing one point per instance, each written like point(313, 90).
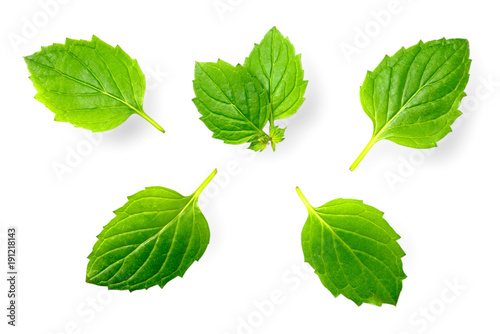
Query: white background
point(443, 203)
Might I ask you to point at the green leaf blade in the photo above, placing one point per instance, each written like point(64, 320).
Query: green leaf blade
point(354, 251)
point(276, 65)
point(413, 97)
point(233, 104)
point(156, 236)
point(89, 84)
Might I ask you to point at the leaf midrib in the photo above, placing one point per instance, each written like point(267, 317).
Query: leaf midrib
point(83, 83)
point(270, 77)
point(351, 250)
point(193, 197)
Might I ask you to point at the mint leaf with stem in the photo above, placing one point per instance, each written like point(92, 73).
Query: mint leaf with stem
point(223, 97)
point(413, 97)
point(89, 84)
point(354, 251)
point(155, 237)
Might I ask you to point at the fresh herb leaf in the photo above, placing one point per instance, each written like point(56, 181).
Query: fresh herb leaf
point(413, 97)
point(354, 251)
point(89, 84)
point(233, 104)
point(279, 69)
point(155, 237)
point(237, 102)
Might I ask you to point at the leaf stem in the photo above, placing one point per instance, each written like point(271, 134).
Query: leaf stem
point(205, 183)
point(271, 126)
point(150, 120)
point(271, 120)
point(304, 199)
point(363, 153)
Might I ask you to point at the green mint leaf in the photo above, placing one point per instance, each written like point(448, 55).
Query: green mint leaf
point(233, 104)
point(237, 102)
point(89, 84)
point(155, 237)
point(413, 97)
point(354, 251)
point(279, 69)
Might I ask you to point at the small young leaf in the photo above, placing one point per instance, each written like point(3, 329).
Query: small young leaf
point(237, 102)
point(155, 237)
point(279, 69)
point(354, 251)
point(276, 135)
point(413, 97)
point(89, 84)
point(233, 104)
